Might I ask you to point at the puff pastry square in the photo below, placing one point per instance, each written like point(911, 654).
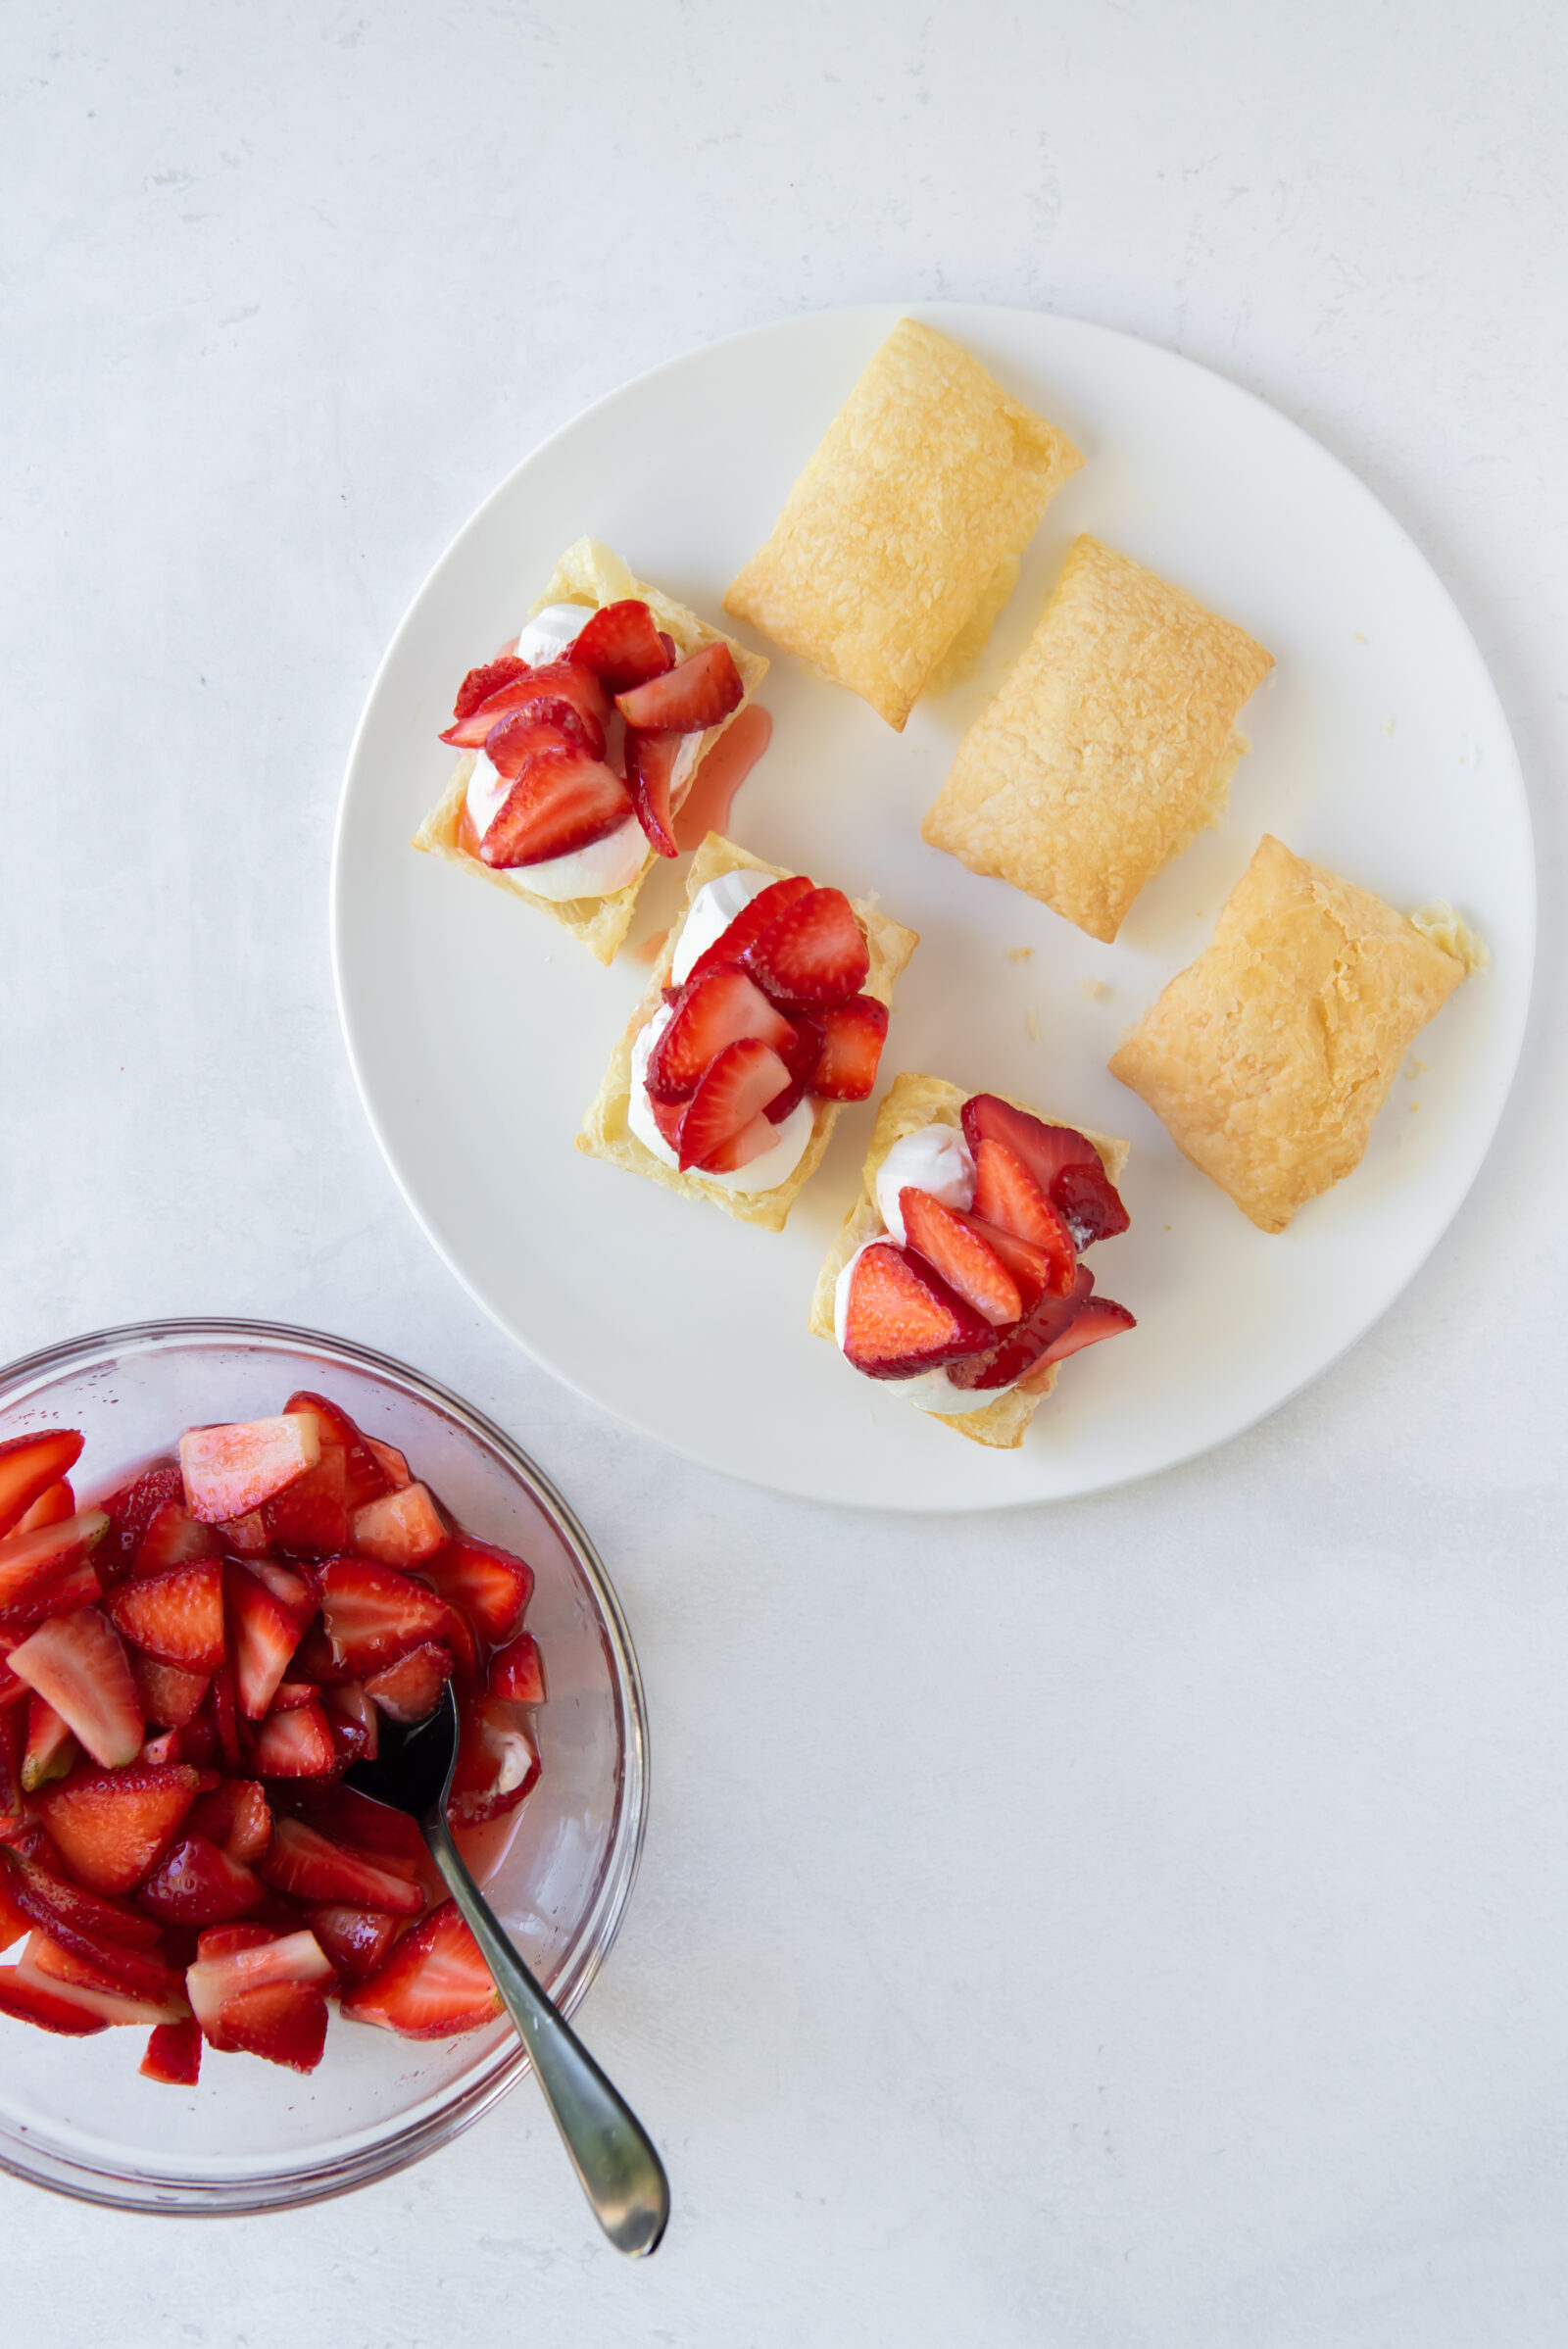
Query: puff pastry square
point(908, 523)
point(910, 1102)
point(606, 1133)
point(590, 574)
point(1108, 749)
point(1269, 1056)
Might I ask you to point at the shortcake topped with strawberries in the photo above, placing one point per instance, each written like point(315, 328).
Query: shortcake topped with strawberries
point(958, 1277)
point(580, 742)
point(767, 1014)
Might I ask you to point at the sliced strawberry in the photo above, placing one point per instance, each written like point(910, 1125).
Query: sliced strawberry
point(229, 1470)
point(358, 1942)
point(174, 2054)
point(497, 1762)
point(289, 1696)
point(283, 2022)
point(309, 1865)
point(1088, 1203)
point(245, 1537)
point(731, 1097)
point(563, 801)
point(411, 1688)
point(168, 1746)
point(235, 1816)
point(1005, 1193)
point(176, 1617)
point(853, 1037)
point(391, 1462)
point(524, 734)
point(13, 1753)
point(490, 1585)
point(27, 1999)
point(170, 1694)
point(1022, 1348)
point(902, 1318)
point(518, 1672)
point(57, 1594)
point(213, 1980)
point(173, 1538)
point(372, 1614)
point(721, 1008)
point(1099, 1318)
point(35, 1564)
point(813, 952)
point(132, 1509)
point(73, 1916)
point(731, 945)
point(622, 647)
point(200, 1884)
point(458, 1638)
point(650, 763)
point(1063, 1162)
point(480, 683)
point(686, 700)
point(558, 694)
point(225, 1714)
point(800, 1055)
point(666, 1117)
point(365, 1474)
point(354, 1722)
point(402, 1529)
point(969, 1267)
point(51, 1748)
point(311, 1516)
point(434, 1984)
point(221, 1941)
point(76, 1661)
point(30, 1465)
point(112, 1826)
point(262, 1636)
point(297, 1744)
point(296, 1595)
point(1031, 1268)
point(52, 1506)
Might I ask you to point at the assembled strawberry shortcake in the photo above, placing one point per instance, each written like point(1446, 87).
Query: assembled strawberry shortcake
point(767, 1014)
point(581, 741)
point(957, 1274)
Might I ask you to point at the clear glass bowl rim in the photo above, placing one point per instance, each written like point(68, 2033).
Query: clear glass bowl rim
point(289, 2189)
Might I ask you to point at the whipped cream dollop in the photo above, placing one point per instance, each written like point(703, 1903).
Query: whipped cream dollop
point(762, 1173)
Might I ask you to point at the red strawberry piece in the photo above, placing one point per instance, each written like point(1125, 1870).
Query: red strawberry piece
point(174, 2054)
point(800, 1055)
point(176, 1617)
point(170, 1694)
point(688, 699)
point(245, 1537)
point(354, 1722)
point(730, 944)
point(813, 952)
point(1089, 1201)
point(76, 1661)
point(200, 1884)
point(167, 1748)
point(731, 1097)
point(391, 1462)
point(225, 1714)
point(374, 1615)
point(721, 1008)
point(1030, 1267)
point(221, 1941)
point(969, 1266)
point(902, 1318)
point(112, 1826)
point(518, 1672)
point(358, 1942)
point(14, 1921)
point(73, 1914)
point(34, 1565)
point(390, 1837)
point(297, 1744)
point(198, 1739)
point(262, 1636)
point(853, 1037)
point(365, 1474)
point(457, 1636)
point(1022, 1348)
point(283, 2022)
point(30, 1465)
point(666, 1117)
point(311, 1516)
point(289, 1696)
point(490, 1585)
point(650, 761)
point(213, 1980)
point(565, 718)
point(121, 1985)
point(55, 1503)
point(480, 683)
point(409, 1690)
point(522, 734)
point(558, 694)
point(60, 1593)
point(401, 1528)
point(621, 646)
point(131, 1509)
point(294, 1593)
point(563, 801)
point(229, 1470)
point(29, 2000)
point(1099, 1318)
point(308, 1866)
point(51, 1748)
point(173, 1538)
point(434, 1984)
point(13, 1750)
point(235, 1816)
point(1005, 1193)
point(497, 1761)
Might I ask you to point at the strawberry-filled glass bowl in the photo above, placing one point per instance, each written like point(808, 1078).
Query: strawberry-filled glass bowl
point(76, 2115)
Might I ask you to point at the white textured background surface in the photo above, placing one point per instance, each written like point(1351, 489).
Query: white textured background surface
point(1140, 1923)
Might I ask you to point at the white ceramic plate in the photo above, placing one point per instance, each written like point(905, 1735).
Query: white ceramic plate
point(478, 1031)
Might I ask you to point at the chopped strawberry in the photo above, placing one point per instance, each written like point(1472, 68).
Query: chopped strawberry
point(564, 693)
point(902, 1318)
point(37, 1566)
point(1005, 1193)
point(563, 801)
point(174, 2054)
point(221, 1941)
point(458, 1638)
point(75, 1916)
point(225, 1714)
point(198, 1884)
point(434, 1984)
point(688, 699)
point(731, 945)
point(621, 646)
point(358, 1942)
point(517, 1671)
point(372, 1615)
point(969, 1267)
point(284, 2022)
point(1088, 1203)
point(354, 1722)
point(122, 1986)
point(1099, 1318)
point(311, 1516)
point(1031, 1267)
point(213, 1980)
point(176, 1617)
point(309, 1865)
point(12, 1751)
point(411, 1688)
point(480, 683)
point(30, 1465)
point(133, 1509)
point(29, 2000)
point(813, 952)
point(235, 1816)
point(666, 1117)
point(297, 1744)
point(262, 1636)
point(245, 1537)
point(522, 734)
point(170, 1694)
point(365, 1474)
point(289, 1696)
point(294, 1593)
point(112, 1826)
point(490, 1585)
point(853, 1037)
point(497, 1761)
point(229, 1470)
point(650, 761)
point(800, 1055)
point(173, 1538)
point(54, 1594)
point(51, 1748)
point(731, 1097)
point(55, 1503)
point(1063, 1162)
point(721, 1008)
point(391, 1462)
point(402, 1529)
point(1021, 1348)
point(76, 1661)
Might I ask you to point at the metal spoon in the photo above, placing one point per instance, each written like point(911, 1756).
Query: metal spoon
point(611, 2151)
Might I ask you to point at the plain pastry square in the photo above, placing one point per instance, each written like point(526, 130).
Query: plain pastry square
point(1269, 1056)
point(910, 1102)
point(908, 523)
point(606, 1133)
point(588, 573)
point(1108, 749)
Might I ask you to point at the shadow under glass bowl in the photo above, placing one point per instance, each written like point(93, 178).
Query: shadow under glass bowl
point(76, 2115)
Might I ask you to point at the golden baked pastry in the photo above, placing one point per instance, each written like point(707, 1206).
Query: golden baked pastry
point(1269, 1056)
point(606, 1133)
point(588, 573)
point(908, 523)
point(1108, 749)
point(913, 1102)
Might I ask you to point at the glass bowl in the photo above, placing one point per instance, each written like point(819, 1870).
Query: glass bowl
point(76, 2115)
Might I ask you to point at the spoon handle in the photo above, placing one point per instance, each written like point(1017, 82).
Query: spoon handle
point(611, 2151)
